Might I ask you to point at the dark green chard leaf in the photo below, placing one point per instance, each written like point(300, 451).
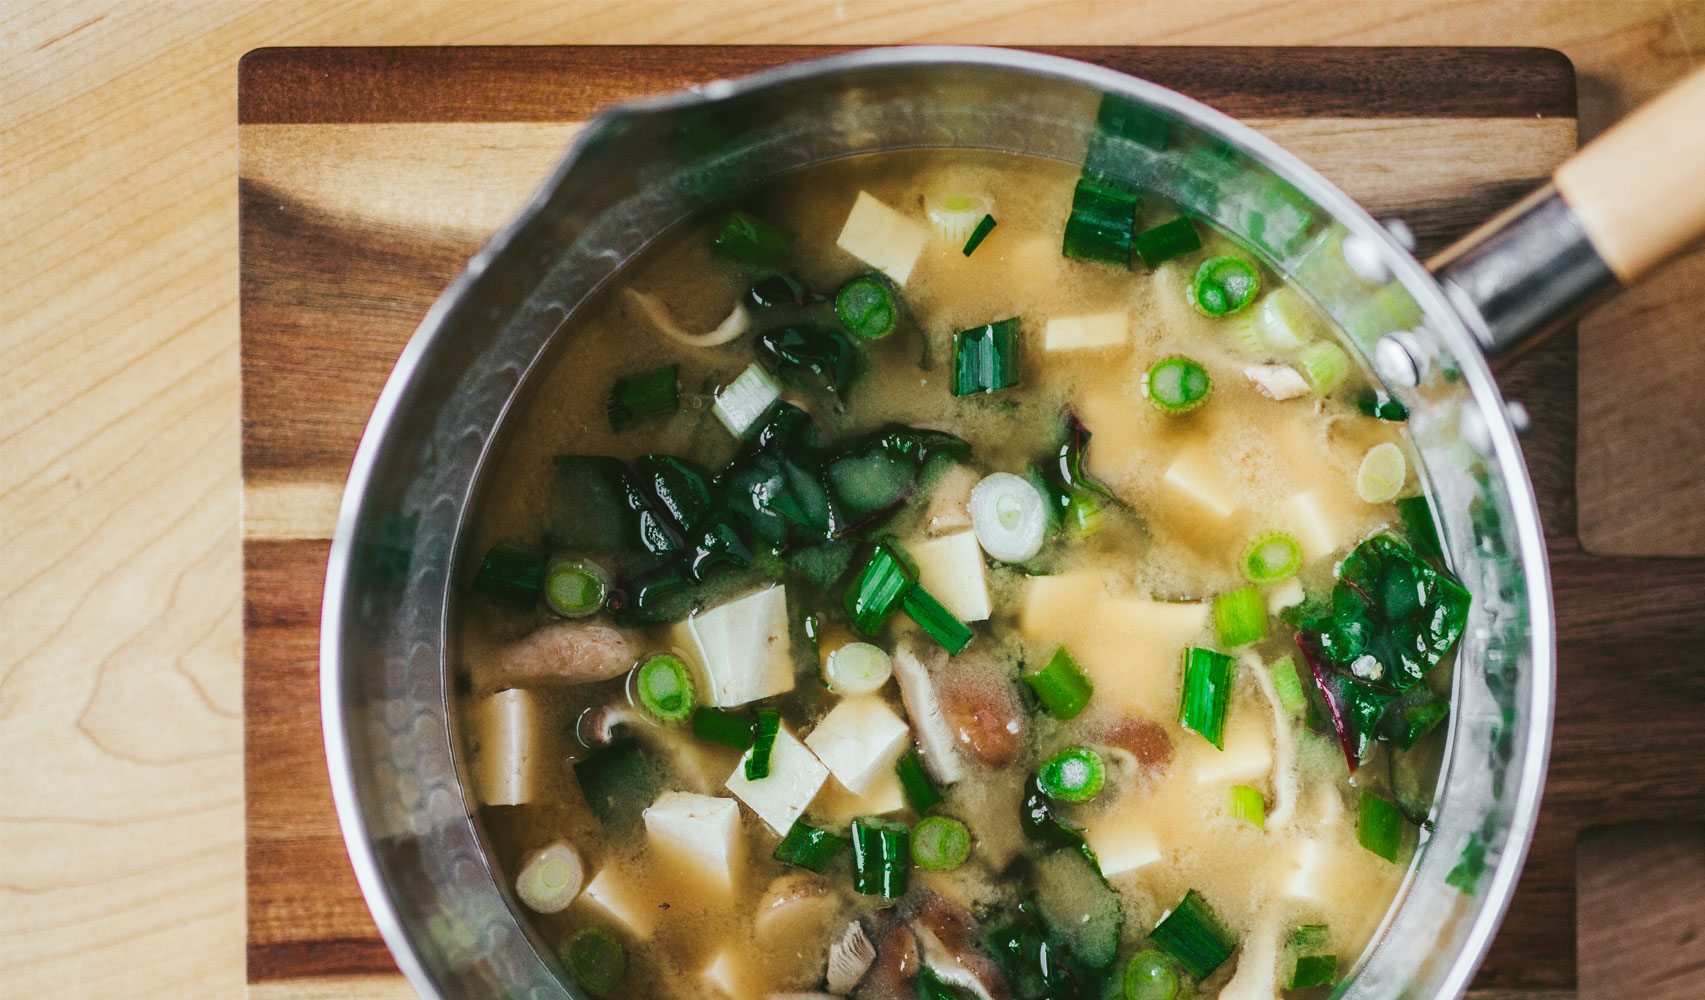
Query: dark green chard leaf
point(777, 290)
point(655, 532)
point(875, 475)
point(511, 575)
point(778, 499)
point(1042, 824)
point(589, 510)
point(618, 782)
point(806, 355)
point(1353, 708)
point(680, 488)
point(1037, 963)
point(750, 243)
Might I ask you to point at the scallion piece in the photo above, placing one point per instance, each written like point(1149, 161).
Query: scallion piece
point(640, 397)
point(1176, 385)
point(1207, 693)
point(1224, 285)
point(1324, 365)
point(751, 244)
point(940, 843)
point(1160, 244)
point(1083, 514)
point(575, 588)
point(979, 234)
point(595, 959)
point(1009, 516)
point(731, 729)
point(1240, 617)
point(763, 742)
point(1313, 970)
point(1287, 684)
point(868, 307)
point(1377, 404)
point(1151, 974)
point(942, 625)
point(857, 668)
point(1309, 939)
point(510, 575)
point(1193, 934)
point(1379, 826)
point(915, 782)
point(809, 847)
point(985, 358)
point(1382, 474)
point(1101, 223)
point(665, 688)
point(1247, 804)
point(882, 857)
point(550, 878)
point(880, 587)
point(1418, 525)
point(955, 216)
point(744, 401)
point(1061, 686)
point(1072, 775)
point(1273, 557)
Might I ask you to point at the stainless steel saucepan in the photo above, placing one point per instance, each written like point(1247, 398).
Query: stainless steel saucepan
point(1623, 204)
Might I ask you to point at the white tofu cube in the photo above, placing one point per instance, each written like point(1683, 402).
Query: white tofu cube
point(1096, 331)
point(722, 977)
point(858, 740)
point(882, 237)
point(507, 734)
point(1123, 848)
point(1319, 530)
point(699, 832)
point(1284, 595)
point(951, 568)
point(1306, 880)
point(1248, 753)
point(839, 807)
point(794, 779)
point(741, 648)
point(1195, 480)
point(613, 893)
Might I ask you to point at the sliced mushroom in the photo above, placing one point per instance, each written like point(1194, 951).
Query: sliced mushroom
point(894, 972)
point(1276, 381)
point(791, 903)
point(947, 943)
point(596, 726)
point(850, 957)
point(949, 508)
point(923, 708)
point(985, 718)
point(565, 653)
point(1285, 782)
point(1144, 740)
point(737, 323)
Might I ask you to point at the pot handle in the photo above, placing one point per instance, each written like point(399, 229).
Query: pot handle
point(1627, 202)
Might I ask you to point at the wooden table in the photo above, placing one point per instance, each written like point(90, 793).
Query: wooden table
point(120, 760)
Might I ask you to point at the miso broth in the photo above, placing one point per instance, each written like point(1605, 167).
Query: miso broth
point(1121, 641)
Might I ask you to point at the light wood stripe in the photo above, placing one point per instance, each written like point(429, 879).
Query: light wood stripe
point(280, 511)
point(363, 988)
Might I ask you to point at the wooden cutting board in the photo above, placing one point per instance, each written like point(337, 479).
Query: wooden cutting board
point(368, 176)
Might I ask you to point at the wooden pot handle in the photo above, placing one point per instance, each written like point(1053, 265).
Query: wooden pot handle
point(1639, 189)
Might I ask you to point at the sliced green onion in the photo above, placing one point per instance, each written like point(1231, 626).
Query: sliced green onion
point(1247, 804)
point(1151, 974)
point(956, 216)
point(731, 729)
point(868, 307)
point(979, 234)
point(1207, 694)
point(1224, 285)
point(1379, 826)
point(635, 398)
point(882, 857)
point(1377, 404)
point(1176, 385)
point(942, 625)
point(1309, 939)
point(550, 878)
point(1193, 934)
point(1287, 684)
point(595, 959)
point(857, 668)
point(763, 743)
point(743, 402)
point(1273, 557)
point(1100, 224)
point(920, 791)
point(809, 847)
point(940, 843)
point(1418, 525)
point(1061, 686)
point(1160, 244)
point(1325, 365)
point(1083, 514)
point(985, 358)
point(751, 244)
point(878, 590)
point(1073, 775)
point(510, 575)
point(1240, 617)
point(1382, 473)
point(665, 688)
point(1312, 971)
point(1287, 322)
point(575, 588)
point(1008, 516)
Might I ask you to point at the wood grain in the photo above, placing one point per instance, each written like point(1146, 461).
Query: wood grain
point(1642, 885)
point(121, 871)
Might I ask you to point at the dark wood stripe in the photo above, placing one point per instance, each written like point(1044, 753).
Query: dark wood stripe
point(319, 959)
point(568, 83)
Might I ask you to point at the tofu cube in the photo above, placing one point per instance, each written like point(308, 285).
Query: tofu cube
point(506, 762)
point(1284, 595)
point(1248, 753)
point(1193, 479)
point(1096, 331)
point(612, 892)
point(1123, 847)
point(882, 237)
point(858, 740)
point(1306, 880)
point(840, 807)
point(699, 832)
point(794, 779)
point(722, 976)
point(741, 648)
point(951, 568)
point(1319, 529)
